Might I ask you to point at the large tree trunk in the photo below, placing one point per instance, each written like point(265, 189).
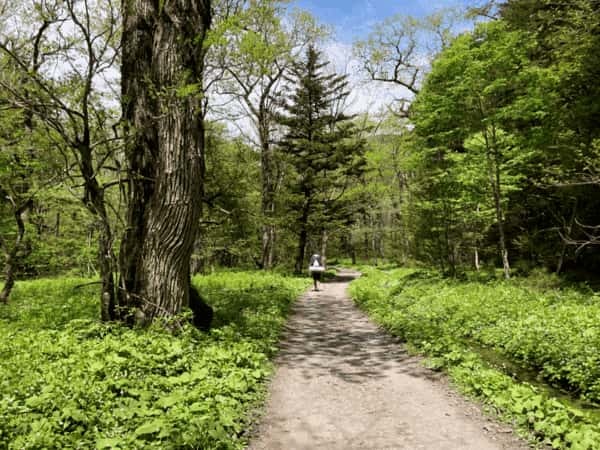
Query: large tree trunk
point(162, 84)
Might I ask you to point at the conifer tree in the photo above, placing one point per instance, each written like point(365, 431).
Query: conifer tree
point(322, 146)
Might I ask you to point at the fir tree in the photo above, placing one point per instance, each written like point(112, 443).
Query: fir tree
point(322, 146)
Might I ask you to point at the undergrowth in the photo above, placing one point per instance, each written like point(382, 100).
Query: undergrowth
point(552, 332)
point(69, 381)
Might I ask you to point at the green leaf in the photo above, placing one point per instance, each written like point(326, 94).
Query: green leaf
point(150, 428)
point(170, 400)
point(108, 443)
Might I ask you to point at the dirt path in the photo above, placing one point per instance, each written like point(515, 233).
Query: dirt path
point(341, 383)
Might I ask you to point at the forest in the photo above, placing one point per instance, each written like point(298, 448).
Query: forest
point(172, 162)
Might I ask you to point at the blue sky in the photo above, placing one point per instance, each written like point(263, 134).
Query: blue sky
point(354, 18)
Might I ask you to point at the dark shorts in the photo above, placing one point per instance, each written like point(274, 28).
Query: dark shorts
point(316, 275)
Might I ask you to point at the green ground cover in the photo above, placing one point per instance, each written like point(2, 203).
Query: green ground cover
point(68, 381)
point(550, 331)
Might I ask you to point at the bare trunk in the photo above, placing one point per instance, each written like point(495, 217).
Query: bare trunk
point(268, 245)
point(476, 250)
point(267, 201)
point(302, 238)
point(106, 261)
point(381, 236)
point(21, 204)
point(172, 216)
point(162, 62)
point(57, 225)
point(9, 280)
point(324, 240)
point(94, 201)
point(441, 245)
point(350, 247)
point(500, 220)
point(448, 242)
point(11, 253)
point(397, 236)
point(366, 238)
point(374, 241)
point(563, 250)
point(561, 258)
point(301, 251)
point(494, 162)
point(142, 141)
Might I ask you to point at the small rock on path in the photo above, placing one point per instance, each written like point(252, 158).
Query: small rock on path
point(342, 383)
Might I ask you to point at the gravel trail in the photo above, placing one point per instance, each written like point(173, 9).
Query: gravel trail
point(342, 383)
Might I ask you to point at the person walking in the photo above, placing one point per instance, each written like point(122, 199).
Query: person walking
point(316, 268)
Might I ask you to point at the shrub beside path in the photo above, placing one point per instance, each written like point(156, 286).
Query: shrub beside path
point(342, 383)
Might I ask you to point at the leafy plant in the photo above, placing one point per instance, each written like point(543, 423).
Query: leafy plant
point(552, 332)
point(72, 382)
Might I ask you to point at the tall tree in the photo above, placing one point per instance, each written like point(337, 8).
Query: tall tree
point(322, 146)
point(399, 50)
point(481, 91)
point(162, 76)
point(258, 47)
point(566, 48)
point(78, 36)
point(385, 188)
point(17, 193)
point(229, 223)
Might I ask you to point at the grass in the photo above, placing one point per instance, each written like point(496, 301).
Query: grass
point(69, 381)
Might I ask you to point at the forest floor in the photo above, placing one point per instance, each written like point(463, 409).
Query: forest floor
point(342, 383)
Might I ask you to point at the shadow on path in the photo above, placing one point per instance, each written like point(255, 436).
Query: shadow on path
point(329, 335)
point(343, 384)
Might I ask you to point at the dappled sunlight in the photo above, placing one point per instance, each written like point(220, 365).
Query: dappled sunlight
point(343, 383)
point(329, 335)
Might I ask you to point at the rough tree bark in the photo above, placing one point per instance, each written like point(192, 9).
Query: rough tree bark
point(163, 62)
